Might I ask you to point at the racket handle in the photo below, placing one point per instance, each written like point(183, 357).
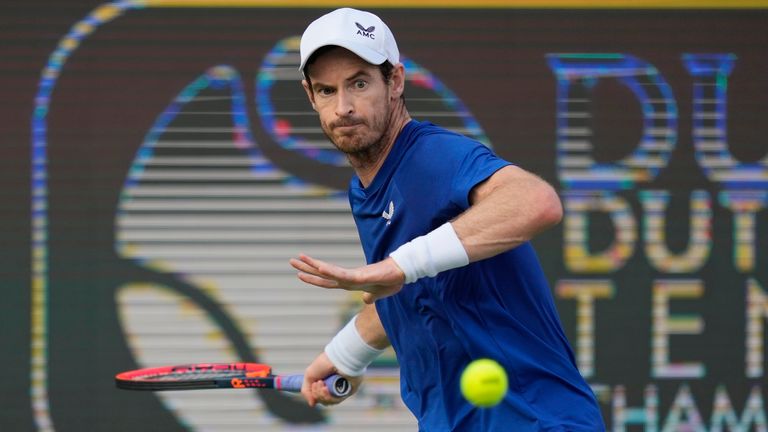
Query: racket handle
point(337, 384)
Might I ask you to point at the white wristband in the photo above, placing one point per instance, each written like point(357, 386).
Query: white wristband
point(430, 254)
point(349, 352)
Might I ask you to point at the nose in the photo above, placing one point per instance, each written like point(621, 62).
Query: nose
point(344, 104)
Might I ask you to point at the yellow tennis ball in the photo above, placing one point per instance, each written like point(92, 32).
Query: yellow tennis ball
point(484, 383)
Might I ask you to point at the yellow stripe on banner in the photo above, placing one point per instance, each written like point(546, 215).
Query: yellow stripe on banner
point(474, 4)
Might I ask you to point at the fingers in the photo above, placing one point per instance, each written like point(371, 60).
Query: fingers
point(313, 388)
point(303, 266)
point(318, 281)
point(376, 280)
point(316, 263)
point(320, 273)
point(322, 394)
point(317, 393)
point(327, 270)
point(310, 265)
point(311, 275)
point(306, 391)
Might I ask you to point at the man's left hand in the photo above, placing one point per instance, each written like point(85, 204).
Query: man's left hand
point(378, 280)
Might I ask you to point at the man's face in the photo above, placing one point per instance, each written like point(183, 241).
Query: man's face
point(352, 99)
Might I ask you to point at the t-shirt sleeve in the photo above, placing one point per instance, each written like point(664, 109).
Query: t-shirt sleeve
point(476, 165)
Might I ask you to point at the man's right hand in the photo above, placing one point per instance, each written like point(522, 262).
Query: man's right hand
point(314, 389)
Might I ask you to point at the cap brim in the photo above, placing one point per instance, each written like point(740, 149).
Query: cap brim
point(360, 50)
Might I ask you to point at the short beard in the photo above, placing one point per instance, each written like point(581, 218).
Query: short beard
point(364, 153)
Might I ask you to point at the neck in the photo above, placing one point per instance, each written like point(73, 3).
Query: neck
point(367, 167)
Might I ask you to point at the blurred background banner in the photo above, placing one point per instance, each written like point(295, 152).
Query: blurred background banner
point(159, 165)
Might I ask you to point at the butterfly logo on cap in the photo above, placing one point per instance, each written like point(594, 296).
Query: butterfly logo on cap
point(363, 31)
point(369, 29)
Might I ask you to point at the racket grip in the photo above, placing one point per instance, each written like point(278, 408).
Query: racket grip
point(337, 385)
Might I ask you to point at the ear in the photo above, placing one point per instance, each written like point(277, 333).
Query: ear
point(397, 81)
point(310, 95)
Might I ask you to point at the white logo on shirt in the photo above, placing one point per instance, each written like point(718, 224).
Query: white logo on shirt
point(388, 215)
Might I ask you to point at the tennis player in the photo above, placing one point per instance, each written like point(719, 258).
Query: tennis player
point(445, 225)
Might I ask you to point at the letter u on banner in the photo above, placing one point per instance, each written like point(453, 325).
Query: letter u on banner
point(710, 138)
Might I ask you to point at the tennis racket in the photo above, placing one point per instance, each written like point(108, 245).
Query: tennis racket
point(220, 376)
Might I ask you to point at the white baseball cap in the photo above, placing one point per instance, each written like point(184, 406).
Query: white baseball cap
point(361, 32)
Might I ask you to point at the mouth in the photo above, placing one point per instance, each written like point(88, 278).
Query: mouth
point(346, 130)
point(346, 125)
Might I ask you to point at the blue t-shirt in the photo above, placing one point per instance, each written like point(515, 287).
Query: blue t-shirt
point(499, 308)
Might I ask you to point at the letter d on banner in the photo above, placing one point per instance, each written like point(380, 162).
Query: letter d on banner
point(576, 75)
point(578, 256)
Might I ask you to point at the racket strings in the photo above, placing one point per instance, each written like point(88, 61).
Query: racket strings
point(194, 375)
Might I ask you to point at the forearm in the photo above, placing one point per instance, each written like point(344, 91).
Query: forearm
point(506, 213)
point(370, 328)
point(506, 210)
